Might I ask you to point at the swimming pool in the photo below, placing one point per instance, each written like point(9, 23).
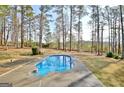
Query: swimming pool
point(54, 63)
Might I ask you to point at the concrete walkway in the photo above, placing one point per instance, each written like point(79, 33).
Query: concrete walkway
point(79, 76)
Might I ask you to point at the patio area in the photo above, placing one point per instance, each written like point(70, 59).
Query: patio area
point(79, 76)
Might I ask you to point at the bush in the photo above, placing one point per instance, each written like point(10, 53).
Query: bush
point(116, 57)
point(109, 54)
point(35, 51)
point(45, 45)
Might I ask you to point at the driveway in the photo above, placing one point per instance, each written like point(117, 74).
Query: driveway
point(79, 76)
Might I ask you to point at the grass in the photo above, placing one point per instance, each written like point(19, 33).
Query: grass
point(14, 53)
point(110, 71)
point(4, 55)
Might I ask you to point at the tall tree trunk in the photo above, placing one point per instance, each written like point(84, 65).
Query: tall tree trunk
point(95, 41)
point(109, 31)
point(7, 37)
point(58, 37)
point(119, 46)
point(71, 26)
point(78, 45)
point(1, 41)
point(102, 39)
point(65, 36)
point(93, 31)
point(27, 36)
point(113, 36)
point(17, 34)
point(98, 38)
point(35, 37)
point(122, 31)
point(4, 30)
point(22, 26)
point(92, 45)
point(58, 40)
point(41, 27)
point(115, 44)
point(63, 28)
point(92, 42)
point(30, 32)
point(15, 26)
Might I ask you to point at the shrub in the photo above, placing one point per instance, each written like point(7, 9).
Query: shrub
point(35, 51)
point(45, 45)
point(109, 54)
point(116, 57)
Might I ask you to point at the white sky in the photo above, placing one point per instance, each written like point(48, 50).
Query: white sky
point(86, 27)
point(87, 30)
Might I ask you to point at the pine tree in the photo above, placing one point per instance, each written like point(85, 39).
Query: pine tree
point(121, 18)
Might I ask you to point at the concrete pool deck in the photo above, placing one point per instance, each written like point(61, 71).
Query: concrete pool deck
point(79, 76)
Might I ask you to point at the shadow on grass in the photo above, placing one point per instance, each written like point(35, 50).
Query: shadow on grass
point(26, 54)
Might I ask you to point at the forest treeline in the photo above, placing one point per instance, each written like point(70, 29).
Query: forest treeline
point(21, 26)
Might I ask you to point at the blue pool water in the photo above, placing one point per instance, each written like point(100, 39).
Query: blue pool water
point(54, 63)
